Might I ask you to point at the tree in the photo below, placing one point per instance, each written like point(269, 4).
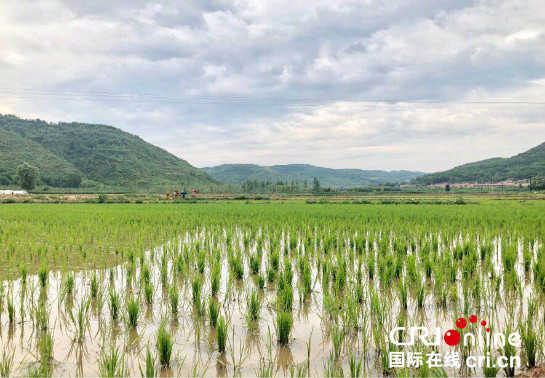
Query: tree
point(73, 180)
point(538, 183)
point(28, 176)
point(447, 188)
point(315, 185)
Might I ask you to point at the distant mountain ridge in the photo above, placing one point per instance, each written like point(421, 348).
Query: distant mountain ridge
point(329, 177)
point(525, 165)
point(100, 155)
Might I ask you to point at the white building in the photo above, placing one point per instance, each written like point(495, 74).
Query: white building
point(14, 192)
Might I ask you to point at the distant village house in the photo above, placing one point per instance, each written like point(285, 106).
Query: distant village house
point(14, 192)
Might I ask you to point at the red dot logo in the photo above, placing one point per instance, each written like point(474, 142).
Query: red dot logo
point(483, 323)
point(452, 337)
point(461, 323)
point(473, 318)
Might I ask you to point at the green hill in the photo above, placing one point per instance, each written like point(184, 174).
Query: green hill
point(525, 165)
point(328, 177)
point(103, 156)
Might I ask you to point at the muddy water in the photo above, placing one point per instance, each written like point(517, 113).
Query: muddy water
point(195, 349)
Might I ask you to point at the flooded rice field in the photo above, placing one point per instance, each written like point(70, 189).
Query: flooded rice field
point(261, 302)
point(272, 289)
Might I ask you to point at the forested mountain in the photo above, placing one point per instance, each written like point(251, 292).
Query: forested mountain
point(99, 156)
point(95, 155)
point(529, 164)
point(328, 177)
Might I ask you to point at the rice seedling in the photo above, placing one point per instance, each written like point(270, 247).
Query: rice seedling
point(529, 334)
point(355, 366)
point(111, 362)
point(201, 261)
point(490, 369)
point(509, 257)
point(215, 280)
point(261, 281)
point(265, 369)
point(150, 365)
point(527, 257)
point(254, 307)
point(200, 307)
point(99, 302)
point(221, 334)
point(509, 351)
point(237, 360)
point(284, 324)
point(80, 319)
point(237, 266)
point(11, 311)
point(164, 344)
point(255, 264)
point(403, 294)
point(266, 365)
point(94, 286)
point(196, 285)
point(309, 348)
point(270, 274)
point(174, 299)
point(332, 368)
point(114, 304)
point(213, 312)
point(148, 293)
point(274, 260)
point(164, 272)
point(145, 274)
point(45, 347)
point(6, 363)
point(41, 317)
point(306, 276)
point(337, 338)
point(69, 285)
point(43, 275)
point(421, 295)
point(285, 299)
point(24, 274)
point(298, 371)
point(43, 367)
point(133, 308)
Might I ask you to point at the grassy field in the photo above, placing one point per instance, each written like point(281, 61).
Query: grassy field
point(284, 288)
point(373, 197)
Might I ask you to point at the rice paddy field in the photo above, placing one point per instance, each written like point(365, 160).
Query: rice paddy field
point(265, 289)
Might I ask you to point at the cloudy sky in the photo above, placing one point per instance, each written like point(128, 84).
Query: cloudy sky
point(394, 84)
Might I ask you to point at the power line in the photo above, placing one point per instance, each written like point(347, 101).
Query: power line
point(108, 96)
point(412, 105)
point(54, 92)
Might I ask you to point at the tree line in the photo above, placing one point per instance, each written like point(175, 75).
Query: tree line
point(279, 186)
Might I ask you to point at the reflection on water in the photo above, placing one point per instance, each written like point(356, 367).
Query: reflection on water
point(79, 340)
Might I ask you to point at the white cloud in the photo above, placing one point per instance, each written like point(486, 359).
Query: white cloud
point(231, 70)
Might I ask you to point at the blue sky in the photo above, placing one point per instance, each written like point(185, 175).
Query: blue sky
point(389, 85)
